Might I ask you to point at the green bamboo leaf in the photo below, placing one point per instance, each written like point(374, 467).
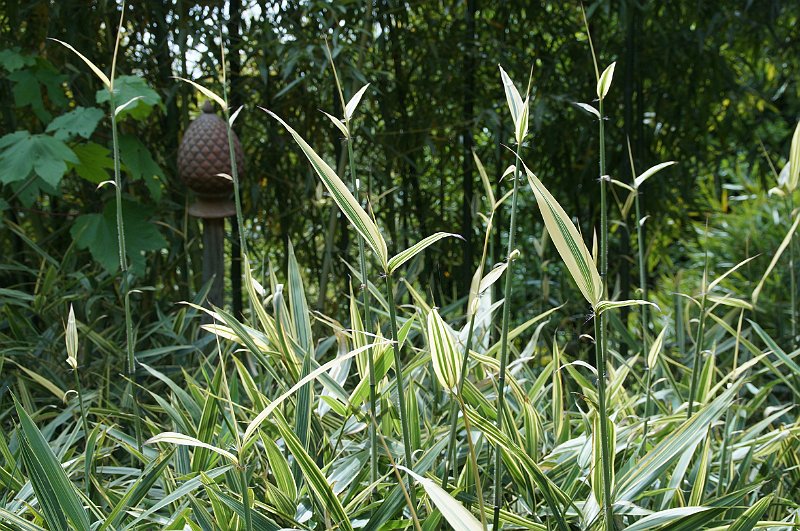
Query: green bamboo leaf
point(782, 247)
point(207, 93)
point(357, 216)
point(748, 519)
point(99, 73)
point(568, 242)
point(649, 173)
point(55, 493)
point(180, 439)
point(455, 513)
point(700, 479)
point(351, 106)
point(445, 357)
point(404, 256)
point(604, 83)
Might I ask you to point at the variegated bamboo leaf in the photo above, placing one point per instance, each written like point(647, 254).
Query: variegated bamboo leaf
point(604, 83)
point(180, 439)
point(638, 181)
point(404, 256)
point(352, 105)
point(348, 204)
point(603, 306)
point(445, 358)
point(456, 514)
point(568, 243)
point(782, 247)
point(206, 92)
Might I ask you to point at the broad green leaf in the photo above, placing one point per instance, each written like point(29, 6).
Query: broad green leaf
point(94, 162)
point(404, 256)
point(28, 84)
point(351, 106)
point(54, 491)
point(12, 60)
point(357, 216)
point(782, 247)
point(649, 173)
point(22, 153)
point(794, 160)
point(207, 93)
point(140, 164)
point(445, 357)
point(604, 83)
point(180, 439)
point(99, 73)
point(98, 233)
point(455, 513)
point(568, 242)
point(81, 121)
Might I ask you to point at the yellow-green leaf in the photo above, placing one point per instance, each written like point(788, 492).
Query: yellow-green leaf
point(445, 358)
point(604, 83)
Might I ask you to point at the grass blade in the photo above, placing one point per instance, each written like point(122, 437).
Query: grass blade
point(455, 513)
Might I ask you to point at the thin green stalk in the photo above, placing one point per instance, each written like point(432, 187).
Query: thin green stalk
point(365, 299)
point(451, 446)
point(398, 368)
point(645, 324)
point(792, 278)
point(125, 283)
point(601, 344)
point(84, 419)
point(248, 512)
point(473, 459)
point(501, 380)
point(605, 450)
point(698, 347)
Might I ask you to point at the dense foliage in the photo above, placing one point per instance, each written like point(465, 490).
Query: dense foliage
point(634, 371)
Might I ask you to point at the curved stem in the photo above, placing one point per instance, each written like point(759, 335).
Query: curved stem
point(501, 381)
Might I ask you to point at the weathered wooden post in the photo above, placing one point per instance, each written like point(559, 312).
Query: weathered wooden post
point(204, 164)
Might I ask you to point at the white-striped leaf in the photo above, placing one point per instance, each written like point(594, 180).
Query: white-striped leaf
point(649, 173)
point(660, 518)
point(515, 103)
point(71, 339)
point(338, 123)
point(351, 106)
point(180, 439)
point(604, 83)
point(404, 256)
point(357, 216)
point(445, 358)
point(794, 160)
point(655, 349)
point(568, 242)
point(603, 306)
point(456, 514)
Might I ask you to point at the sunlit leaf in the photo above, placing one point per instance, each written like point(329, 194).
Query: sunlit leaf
point(604, 83)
